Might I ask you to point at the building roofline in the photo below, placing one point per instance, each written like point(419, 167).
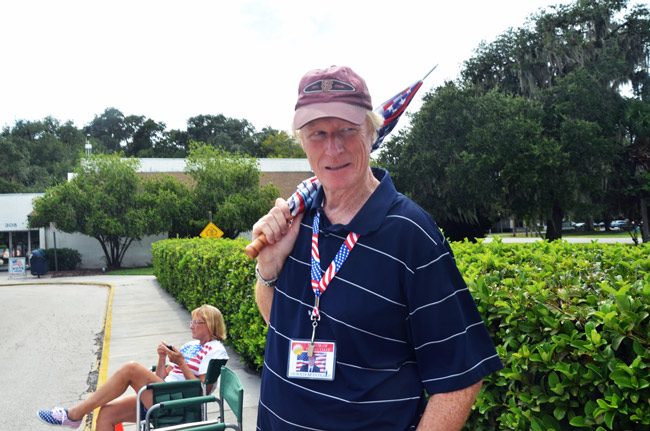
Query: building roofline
point(265, 165)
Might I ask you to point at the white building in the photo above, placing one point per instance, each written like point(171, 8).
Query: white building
point(16, 239)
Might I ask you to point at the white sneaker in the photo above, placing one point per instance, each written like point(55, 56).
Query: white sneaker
point(57, 416)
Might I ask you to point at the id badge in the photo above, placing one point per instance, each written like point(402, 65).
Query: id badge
point(319, 367)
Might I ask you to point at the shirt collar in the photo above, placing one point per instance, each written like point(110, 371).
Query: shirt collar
point(371, 215)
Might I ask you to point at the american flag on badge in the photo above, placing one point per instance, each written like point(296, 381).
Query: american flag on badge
point(303, 360)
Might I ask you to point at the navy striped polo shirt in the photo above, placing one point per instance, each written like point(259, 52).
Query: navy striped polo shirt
point(398, 310)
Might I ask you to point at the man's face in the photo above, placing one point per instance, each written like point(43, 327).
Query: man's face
point(338, 151)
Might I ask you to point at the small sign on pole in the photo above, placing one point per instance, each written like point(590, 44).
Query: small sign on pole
point(211, 231)
point(17, 267)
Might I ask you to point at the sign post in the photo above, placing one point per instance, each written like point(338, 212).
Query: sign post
point(53, 229)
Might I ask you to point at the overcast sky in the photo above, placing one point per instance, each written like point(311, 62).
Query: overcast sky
point(171, 60)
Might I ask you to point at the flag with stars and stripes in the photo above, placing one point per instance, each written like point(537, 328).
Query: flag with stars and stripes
point(305, 193)
point(392, 109)
point(303, 360)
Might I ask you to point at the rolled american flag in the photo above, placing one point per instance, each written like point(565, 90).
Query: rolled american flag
point(391, 110)
point(301, 199)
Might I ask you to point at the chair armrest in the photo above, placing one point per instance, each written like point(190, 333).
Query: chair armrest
point(185, 402)
point(181, 384)
point(199, 426)
point(167, 386)
point(213, 427)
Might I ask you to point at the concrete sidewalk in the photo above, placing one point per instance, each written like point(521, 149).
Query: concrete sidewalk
point(139, 315)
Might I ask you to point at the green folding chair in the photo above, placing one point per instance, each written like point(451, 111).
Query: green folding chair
point(162, 414)
point(209, 427)
point(230, 391)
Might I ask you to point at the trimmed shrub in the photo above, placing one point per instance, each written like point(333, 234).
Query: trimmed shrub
point(215, 271)
point(571, 323)
point(67, 259)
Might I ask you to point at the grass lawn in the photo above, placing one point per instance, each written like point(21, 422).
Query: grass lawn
point(595, 234)
point(132, 271)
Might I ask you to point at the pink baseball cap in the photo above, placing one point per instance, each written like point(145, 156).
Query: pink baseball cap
point(333, 92)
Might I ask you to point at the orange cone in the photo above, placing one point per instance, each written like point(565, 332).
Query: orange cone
point(119, 427)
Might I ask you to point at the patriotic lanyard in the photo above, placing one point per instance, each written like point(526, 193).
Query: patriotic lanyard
point(320, 282)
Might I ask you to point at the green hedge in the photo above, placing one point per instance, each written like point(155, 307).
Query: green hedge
point(215, 271)
point(571, 323)
point(67, 259)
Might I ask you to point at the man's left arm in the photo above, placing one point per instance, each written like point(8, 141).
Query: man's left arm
point(449, 411)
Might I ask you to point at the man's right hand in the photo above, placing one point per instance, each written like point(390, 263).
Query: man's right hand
point(281, 231)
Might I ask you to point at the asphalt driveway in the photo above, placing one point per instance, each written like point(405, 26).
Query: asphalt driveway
point(50, 339)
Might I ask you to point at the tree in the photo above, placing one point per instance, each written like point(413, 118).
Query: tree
point(228, 134)
point(15, 161)
point(470, 159)
point(38, 154)
point(227, 186)
point(593, 35)
point(585, 119)
point(174, 144)
point(274, 143)
point(170, 203)
point(148, 138)
point(134, 135)
point(178, 143)
point(573, 59)
point(633, 187)
point(111, 130)
point(108, 201)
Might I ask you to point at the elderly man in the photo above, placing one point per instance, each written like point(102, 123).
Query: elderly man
point(365, 281)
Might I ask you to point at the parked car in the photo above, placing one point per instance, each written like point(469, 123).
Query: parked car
point(580, 226)
point(620, 224)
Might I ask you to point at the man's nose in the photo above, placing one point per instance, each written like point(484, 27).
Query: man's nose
point(334, 144)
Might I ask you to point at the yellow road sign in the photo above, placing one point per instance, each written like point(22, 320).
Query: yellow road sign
point(211, 231)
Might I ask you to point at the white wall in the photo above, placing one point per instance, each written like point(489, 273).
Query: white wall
point(265, 165)
point(14, 209)
point(92, 255)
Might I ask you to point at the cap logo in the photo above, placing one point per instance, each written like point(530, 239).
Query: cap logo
point(328, 85)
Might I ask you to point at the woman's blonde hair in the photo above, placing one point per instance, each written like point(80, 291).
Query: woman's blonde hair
point(213, 319)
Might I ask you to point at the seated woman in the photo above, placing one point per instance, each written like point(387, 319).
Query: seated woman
point(188, 362)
